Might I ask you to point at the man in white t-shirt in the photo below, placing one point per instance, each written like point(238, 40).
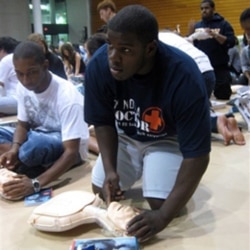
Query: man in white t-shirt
point(199, 57)
point(8, 79)
point(50, 131)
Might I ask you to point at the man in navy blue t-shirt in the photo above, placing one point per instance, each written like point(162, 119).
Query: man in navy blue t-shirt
point(148, 104)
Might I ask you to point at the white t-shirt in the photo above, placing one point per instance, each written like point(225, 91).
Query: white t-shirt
point(59, 108)
point(181, 43)
point(8, 75)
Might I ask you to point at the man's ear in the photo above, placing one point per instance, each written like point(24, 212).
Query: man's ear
point(151, 48)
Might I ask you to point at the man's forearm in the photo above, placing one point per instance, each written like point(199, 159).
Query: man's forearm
point(63, 163)
point(59, 167)
point(186, 183)
point(20, 136)
point(107, 139)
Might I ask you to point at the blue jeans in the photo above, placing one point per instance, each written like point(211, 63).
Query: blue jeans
point(40, 148)
point(8, 105)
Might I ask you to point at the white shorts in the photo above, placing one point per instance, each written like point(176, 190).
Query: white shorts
point(156, 162)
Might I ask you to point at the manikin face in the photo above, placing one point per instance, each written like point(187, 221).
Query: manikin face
point(127, 55)
point(31, 74)
point(246, 27)
point(206, 11)
point(105, 14)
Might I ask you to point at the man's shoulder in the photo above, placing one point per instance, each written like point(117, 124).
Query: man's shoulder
point(65, 88)
point(168, 52)
point(7, 59)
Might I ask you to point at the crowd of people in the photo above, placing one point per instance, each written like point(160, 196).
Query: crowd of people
point(143, 111)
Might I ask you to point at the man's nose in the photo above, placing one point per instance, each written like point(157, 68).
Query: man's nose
point(25, 79)
point(114, 55)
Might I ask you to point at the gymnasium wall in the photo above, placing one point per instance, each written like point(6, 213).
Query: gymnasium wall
point(169, 13)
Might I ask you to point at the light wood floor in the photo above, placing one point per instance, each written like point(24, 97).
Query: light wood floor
point(217, 216)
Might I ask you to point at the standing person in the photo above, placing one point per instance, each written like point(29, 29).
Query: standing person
point(220, 37)
point(8, 79)
point(245, 53)
point(106, 10)
point(151, 118)
point(50, 130)
point(55, 63)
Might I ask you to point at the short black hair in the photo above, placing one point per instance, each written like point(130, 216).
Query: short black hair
point(210, 2)
point(138, 20)
point(245, 15)
point(95, 41)
point(8, 44)
point(29, 49)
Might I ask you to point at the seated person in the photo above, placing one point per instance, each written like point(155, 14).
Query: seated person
point(72, 60)
point(93, 43)
point(244, 79)
point(50, 131)
point(55, 62)
point(245, 54)
point(8, 79)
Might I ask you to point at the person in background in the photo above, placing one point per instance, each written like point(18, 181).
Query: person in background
point(201, 59)
point(93, 43)
point(217, 37)
point(245, 53)
point(151, 118)
point(8, 79)
point(106, 10)
point(234, 62)
point(50, 136)
point(72, 60)
point(61, 42)
point(55, 63)
point(226, 126)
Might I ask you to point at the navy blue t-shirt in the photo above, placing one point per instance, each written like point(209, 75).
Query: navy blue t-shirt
point(170, 100)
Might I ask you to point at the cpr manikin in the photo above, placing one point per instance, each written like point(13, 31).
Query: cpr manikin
point(73, 208)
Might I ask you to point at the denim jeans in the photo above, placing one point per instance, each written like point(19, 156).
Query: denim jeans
point(40, 149)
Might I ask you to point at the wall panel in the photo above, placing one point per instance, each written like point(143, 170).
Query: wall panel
point(169, 13)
